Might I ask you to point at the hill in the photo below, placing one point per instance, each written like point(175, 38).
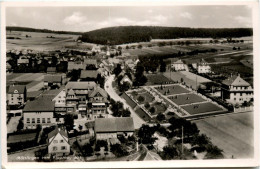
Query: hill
point(130, 34)
point(26, 29)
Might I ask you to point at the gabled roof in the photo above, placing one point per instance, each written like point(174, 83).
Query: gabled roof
point(19, 88)
point(178, 62)
point(203, 62)
point(72, 65)
point(71, 92)
point(57, 130)
point(124, 78)
point(23, 60)
point(8, 66)
point(119, 124)
point(235, 81)
point(90, 61)
point(88, 74)
point(98, 90)
point(53, 78)
point(80, 85)
point(42, 104)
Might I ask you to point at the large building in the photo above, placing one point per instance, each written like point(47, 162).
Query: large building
point(111, 128)
point(16, 95)
point(58, 142)
point(236, 90)
point(177, 65)
point(39, 112)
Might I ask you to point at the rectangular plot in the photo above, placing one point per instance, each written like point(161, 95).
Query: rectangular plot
point(186, 99)
point(172, 90)
point(201, 108)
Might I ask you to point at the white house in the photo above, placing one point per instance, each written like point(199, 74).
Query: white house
point(126, 79)
point(109, 128)
point(40, 111)
point(177, 65)
point(236, 90)
point(16, 95)
point(58, 142)
point(203, 67)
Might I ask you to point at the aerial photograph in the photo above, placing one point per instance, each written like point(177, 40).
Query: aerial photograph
point(129, 83)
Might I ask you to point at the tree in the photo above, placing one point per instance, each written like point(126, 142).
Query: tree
point(169, 153)
point(163, 66)
point(145, 134)
point(54, 60)
point(160, 117)
point(69, 121)
point(147, 105)
point(213, 152)
point(119, 150)
point(127, 47)
point(152, 110)
point(101, 81)
point(140, 99)
point(117, 70)
point(126, 113)
point(200, 140)
point(139, 46)
point(124, 87)
point(87, 148)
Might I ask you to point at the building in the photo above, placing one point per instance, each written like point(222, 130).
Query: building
point(39, 112)
point(96, 48)
point(177, 64)
point(51, 80)
point(108, 128)
point(51, 70)
point(16, 95)
point(203, 67)
point(236, 90)
point(23, 60)
point(127, 80)
point(76, 66)
point(90, 62)
point(97, 104)
point(58, 142)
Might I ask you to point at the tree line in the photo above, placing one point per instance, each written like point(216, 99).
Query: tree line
point(130, 34)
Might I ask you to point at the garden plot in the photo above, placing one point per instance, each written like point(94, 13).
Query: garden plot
point(186, 99)
point(142, 96)
point(172, 90)
point(158, 108)
point(201, 108)
point(157, 79)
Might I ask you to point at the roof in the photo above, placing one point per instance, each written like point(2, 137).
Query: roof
point(119, 124)
point(203, 62)
point(51, 69)
point(98, 90)
point(179, 61)
point(23, 60)
point(57, 130)
point(52, 78)
point(80, 85)
point(33, 94)
point(235, 81)
point(42, 104)
point(72, 65)
point(20, 89)
point(88, 74)
point(90, 61)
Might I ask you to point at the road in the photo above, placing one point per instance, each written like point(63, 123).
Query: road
point(112, 93)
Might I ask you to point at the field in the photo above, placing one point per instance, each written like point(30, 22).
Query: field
point(157, 79)
point(186, 99)
point(147, 96)
point(234, 133)
point(21, 137)
point(201, 108)
point(39, 41)
point(172, 90)
point(33, 81)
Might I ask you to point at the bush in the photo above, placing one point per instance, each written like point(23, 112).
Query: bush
point(140, 99)
point(147, 105)
point(119, 150)
point(160, 117)
point(152, 110)
point(101, 143)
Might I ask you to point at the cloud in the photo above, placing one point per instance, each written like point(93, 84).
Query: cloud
point(245, 21)
point(75, 18)
point(186, 15)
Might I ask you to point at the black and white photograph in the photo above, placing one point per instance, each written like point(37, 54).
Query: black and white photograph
point(129, 83)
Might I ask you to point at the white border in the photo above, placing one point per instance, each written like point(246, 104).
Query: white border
point(176, 163)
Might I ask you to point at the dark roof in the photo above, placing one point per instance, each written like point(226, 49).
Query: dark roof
point(90, 61)
point(72, 65)
point(42, 104)
point(123, 124)
point(20, 88)
point(88, 74)
point(80, 85)
point(56, 131)
point(235, 81)
point(33, 94)
point(98, 90)
point(53, 78)
point(51, 69)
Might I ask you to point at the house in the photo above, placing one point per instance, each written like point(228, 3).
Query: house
point(76, 66)
point(127, 80)
point(60, 102)
point(98, 103)
point(177, 64)
point(90, 62)
point(203, 67)
point(23, 60)
point(51, 70)
point(109, 128)
point(96, 48)
point(88, 75)
point(58, 142)
point(39, 112)
point(51, 80)
point(236, 90)
point(16, 95)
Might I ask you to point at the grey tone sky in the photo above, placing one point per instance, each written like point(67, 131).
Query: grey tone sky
point(90, 18)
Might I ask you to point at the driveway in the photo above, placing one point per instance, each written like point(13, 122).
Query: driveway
point(112, 93)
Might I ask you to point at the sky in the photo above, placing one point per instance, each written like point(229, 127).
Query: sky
point(84, 19)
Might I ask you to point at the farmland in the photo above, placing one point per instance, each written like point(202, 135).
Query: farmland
point(153, 79)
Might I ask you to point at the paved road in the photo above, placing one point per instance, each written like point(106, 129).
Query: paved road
point(111, 91)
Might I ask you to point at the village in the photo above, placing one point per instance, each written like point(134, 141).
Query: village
point(129, 102)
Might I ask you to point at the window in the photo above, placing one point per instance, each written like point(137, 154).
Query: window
point(48, 120)
point(38, 120)
point(234, 98)
point(61, 141)
point(33, 120)
point(54, 148)
point(28, 120)
point(234, 94)
point(55, 141)
point(43, 120)
point(241, 94)
point(63, 147)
